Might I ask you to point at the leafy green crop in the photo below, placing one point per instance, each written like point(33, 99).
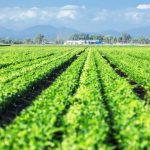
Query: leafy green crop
point(86, 104)
point(129, 115)
point(134, 62)
point(37, 122)
point(11, 90)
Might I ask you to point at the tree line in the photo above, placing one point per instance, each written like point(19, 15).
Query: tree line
point(41, 39)
point(123, 39)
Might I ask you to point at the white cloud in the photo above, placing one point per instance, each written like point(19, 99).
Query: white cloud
point(143, 6)
point(17, 13)
point(20, 18)
point(101, 16)
point(126, 16)
point(68, 12)
point(74, 7)
point(134, 16)
point(28, 14)
point(70, 7)
point(74, 16)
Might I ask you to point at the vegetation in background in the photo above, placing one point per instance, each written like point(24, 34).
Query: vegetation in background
point(107, 39)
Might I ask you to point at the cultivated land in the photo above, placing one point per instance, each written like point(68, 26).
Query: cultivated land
point(74, 98)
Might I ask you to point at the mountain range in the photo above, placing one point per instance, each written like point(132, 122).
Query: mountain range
point(136, 32)
point(46, 30)
point(53, 32)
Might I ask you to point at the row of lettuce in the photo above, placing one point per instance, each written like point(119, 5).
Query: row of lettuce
point(18, 81)
point(88, 107)
point(11, 72)
point(16, 55)
point(134, 62)
point(130, 116)
point(35, 127)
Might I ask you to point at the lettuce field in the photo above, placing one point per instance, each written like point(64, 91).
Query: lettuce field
point(74, 98)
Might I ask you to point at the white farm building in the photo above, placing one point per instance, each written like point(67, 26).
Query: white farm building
point(81, 42)
point(73, 42)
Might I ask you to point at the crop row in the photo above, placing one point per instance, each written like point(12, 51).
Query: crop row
point(88, 106)
point(11, 90)
point(138, 52)
point(85, 125)
point(135, 68)
point(13, 72)
point(35, 127)
point(130, 118)
point(16, 55)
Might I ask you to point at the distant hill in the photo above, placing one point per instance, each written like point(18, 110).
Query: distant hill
point(6, 32)
point(48, 31)
point(53, 32)
point(138, 32)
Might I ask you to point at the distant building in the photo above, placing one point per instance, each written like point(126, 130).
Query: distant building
point(82, 42)
point(48, 42)
point(93, 42)
point(73, 42)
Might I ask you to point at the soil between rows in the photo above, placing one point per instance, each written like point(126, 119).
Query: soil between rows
point(110, 118)
point(137, 89)
point(58, 136)
point(28, 96)
point(10, 64)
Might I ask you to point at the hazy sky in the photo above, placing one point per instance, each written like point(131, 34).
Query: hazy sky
point(83, 15)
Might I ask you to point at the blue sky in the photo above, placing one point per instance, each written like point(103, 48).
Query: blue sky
point(83, 15)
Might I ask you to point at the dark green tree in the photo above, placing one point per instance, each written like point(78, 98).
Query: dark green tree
point(39, 39)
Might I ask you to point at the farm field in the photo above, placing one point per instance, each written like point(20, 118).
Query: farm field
point(74, 98)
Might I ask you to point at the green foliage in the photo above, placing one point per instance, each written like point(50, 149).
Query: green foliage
point(134, 61)
point(89, 106)
point(19, 80)
point(129, 115)
point(35, 126)
point(85, 121)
